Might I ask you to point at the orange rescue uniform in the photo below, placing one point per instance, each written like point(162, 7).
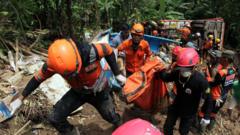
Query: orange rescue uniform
point(87, 75)
point(208, 44)
point(185, 33)
point(135, 59)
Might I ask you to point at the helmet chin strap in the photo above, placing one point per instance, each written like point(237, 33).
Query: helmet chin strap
point(75, 51)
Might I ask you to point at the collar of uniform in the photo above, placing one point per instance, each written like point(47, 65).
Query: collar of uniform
point(141, 44)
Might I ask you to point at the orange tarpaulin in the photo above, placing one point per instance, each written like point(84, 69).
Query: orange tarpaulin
point(142, 87)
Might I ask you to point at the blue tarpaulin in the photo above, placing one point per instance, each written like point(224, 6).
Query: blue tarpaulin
point(154, 42)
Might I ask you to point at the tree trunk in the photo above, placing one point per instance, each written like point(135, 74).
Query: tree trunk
point(108, 18)
point(69, 15)
point(97, 15)
point(59, 18)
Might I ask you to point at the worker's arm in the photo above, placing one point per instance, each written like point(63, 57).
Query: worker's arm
point(217, 81)
point(123, 45)
point(207, 99)
point(167, 77)
point(39, 77)
point(148, 52)
point(105, 50)
point(115, 41)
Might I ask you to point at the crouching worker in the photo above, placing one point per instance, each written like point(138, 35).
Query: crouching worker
point(79, 65)
point(191, 86)
point(221, 85)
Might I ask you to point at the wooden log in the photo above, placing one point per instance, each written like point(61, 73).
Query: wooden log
point(22, 128)
point(40, 53)
point(16, 78)
point(16, 56)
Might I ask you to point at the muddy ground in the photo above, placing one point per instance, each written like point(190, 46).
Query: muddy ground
point(88, 121)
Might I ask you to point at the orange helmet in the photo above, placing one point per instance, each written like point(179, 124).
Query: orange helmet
point(63, 57)
point(138, 29)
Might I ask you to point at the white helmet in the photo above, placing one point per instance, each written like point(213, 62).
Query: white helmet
point(198, 34)
point(187, 24)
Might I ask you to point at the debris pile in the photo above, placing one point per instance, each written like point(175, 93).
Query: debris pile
point(36, 107)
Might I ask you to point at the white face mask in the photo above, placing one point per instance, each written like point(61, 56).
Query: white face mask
point(185, 74)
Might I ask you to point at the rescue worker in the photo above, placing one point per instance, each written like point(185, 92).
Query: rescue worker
point(217, 44)
point(221, 85)
point(137, 50)
point(191, 85)
point(172, 92)
point(162, 30)
point(207, 45)
point(122, 35)
point(194, 41)
point(213, 63)
point(155, 33)
point(185, 33)
point(79, 65)
point(209, 70)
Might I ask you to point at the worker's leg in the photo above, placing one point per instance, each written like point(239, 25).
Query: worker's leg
point(104, 103)
point(201, 113)
point(63, 108)
point(203, 110)
point(213, 115)
point(170, 121)
point(185, 124)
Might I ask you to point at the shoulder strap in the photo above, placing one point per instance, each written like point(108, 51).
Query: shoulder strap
point(84, 50)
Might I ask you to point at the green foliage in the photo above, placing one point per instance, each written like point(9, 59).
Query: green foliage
point(19, 16)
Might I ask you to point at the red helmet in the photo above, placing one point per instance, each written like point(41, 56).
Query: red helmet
point(155, 33)
point(176, 50)
point(187, 58)
point(137, 127)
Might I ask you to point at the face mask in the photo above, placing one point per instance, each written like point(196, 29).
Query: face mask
point(185, 74)
point(136, 38)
